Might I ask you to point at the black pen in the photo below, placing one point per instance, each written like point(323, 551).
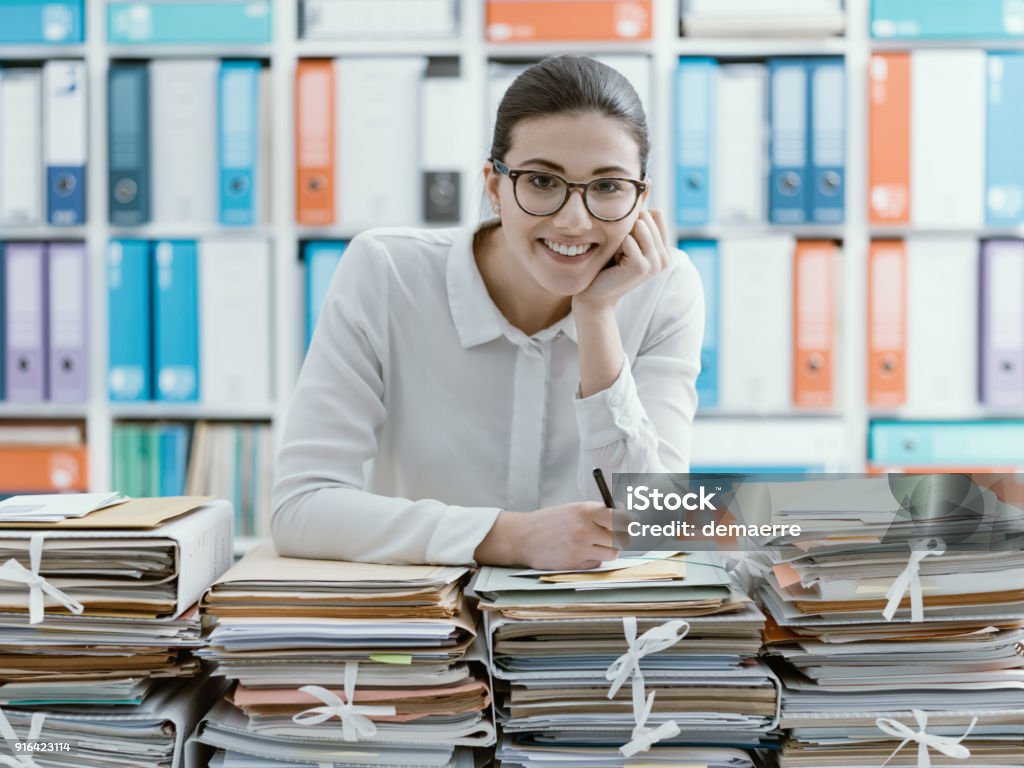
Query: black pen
point(602, 486)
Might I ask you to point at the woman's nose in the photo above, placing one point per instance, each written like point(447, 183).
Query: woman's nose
point(574, 214)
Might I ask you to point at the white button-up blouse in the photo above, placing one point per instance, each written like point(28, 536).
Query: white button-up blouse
point(421, 412)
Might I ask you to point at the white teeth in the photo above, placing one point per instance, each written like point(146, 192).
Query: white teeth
point(567, 250)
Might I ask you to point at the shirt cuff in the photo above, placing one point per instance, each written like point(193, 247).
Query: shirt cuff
point(610, 415)
point(458, 533)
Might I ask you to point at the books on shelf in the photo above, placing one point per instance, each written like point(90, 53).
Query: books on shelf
point(924, 102)
point(43, 151)
point(557, 20)
point(379, 19)
point(771, 316)
point(944, 324)
point(210, 304)
point(43, 458)
point(770, 445)
point(150, 459)
point(760, 142)
point(210, 121)
point(44, 328)
point(321, 259)
point(42, 22)
point(235, 462)
point(914, 445)
point(946, 19)
point(761, 18)
point(403, 103)
point(185, 22)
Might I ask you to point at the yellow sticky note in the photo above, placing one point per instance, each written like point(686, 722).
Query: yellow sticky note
point(391, 658)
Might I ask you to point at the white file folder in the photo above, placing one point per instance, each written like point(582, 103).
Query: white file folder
point(21, 159)
point(183, 99)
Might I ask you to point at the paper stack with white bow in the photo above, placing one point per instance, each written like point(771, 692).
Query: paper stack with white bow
point(336, 663)
point(898, 631)
point(98, 624)
point(615, 670)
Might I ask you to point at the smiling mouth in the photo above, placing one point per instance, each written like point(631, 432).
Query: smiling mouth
point(567, 251)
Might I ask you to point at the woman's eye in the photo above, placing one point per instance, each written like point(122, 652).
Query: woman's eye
point(542, 181)
point(608, 186)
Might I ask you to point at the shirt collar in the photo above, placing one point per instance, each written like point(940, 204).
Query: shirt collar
point(477, 319)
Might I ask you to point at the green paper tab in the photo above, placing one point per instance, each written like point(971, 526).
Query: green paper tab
point(391, 658)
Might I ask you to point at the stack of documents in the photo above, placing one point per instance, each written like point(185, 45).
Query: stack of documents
point(103, 646)
point(552, 637)
point(295, 635)
point(54, 507)
point(849, 673)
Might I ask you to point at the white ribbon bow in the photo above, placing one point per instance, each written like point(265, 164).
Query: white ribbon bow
point(911, 578)
point(653, 640)
point(644, 738)
point(20, 759)
point(12, 570)
point(948, 746)
point(354, 723)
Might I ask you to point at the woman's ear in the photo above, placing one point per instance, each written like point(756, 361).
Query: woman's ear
point(646, 193)
point(491, 182)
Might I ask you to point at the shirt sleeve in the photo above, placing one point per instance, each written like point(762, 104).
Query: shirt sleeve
point(320, 507)
point(643, 422)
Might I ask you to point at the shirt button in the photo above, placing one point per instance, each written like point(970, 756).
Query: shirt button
point(616, 400)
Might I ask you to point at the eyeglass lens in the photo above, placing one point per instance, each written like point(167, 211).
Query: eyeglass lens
point(542, 194)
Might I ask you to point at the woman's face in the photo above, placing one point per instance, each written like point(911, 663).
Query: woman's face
point(579, 148)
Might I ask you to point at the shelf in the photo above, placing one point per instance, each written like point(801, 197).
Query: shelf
point(1006, 44)
point(43, 411)
point(750, 48)
point(185, 51)
point(803, 231)
point(541, 50)
point(190, 412)
point(976, 413)
point(41, 52)
point(182, 232)
point(347, 233)
point(807, 415)
point(330, 49)
point(979, 232)
point(43, 233)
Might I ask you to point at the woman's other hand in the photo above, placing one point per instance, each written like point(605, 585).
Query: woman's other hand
point(644, 253)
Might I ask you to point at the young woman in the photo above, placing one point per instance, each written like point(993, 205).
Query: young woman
point(461, 385)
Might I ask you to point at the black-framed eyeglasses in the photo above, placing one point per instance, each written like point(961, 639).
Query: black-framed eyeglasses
point(543, 193)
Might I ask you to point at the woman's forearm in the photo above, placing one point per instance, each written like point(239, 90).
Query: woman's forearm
point(600, 348)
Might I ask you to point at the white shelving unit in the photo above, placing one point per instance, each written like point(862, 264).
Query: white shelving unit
point(850, 412)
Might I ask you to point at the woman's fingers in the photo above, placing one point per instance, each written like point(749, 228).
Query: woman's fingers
point(644, 237)
point(603, 554)
point(661, 224)
point(658, 248)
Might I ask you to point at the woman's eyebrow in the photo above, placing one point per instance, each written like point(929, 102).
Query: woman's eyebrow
point(560, 169)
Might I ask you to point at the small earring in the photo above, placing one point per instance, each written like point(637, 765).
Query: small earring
point(496, 208)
